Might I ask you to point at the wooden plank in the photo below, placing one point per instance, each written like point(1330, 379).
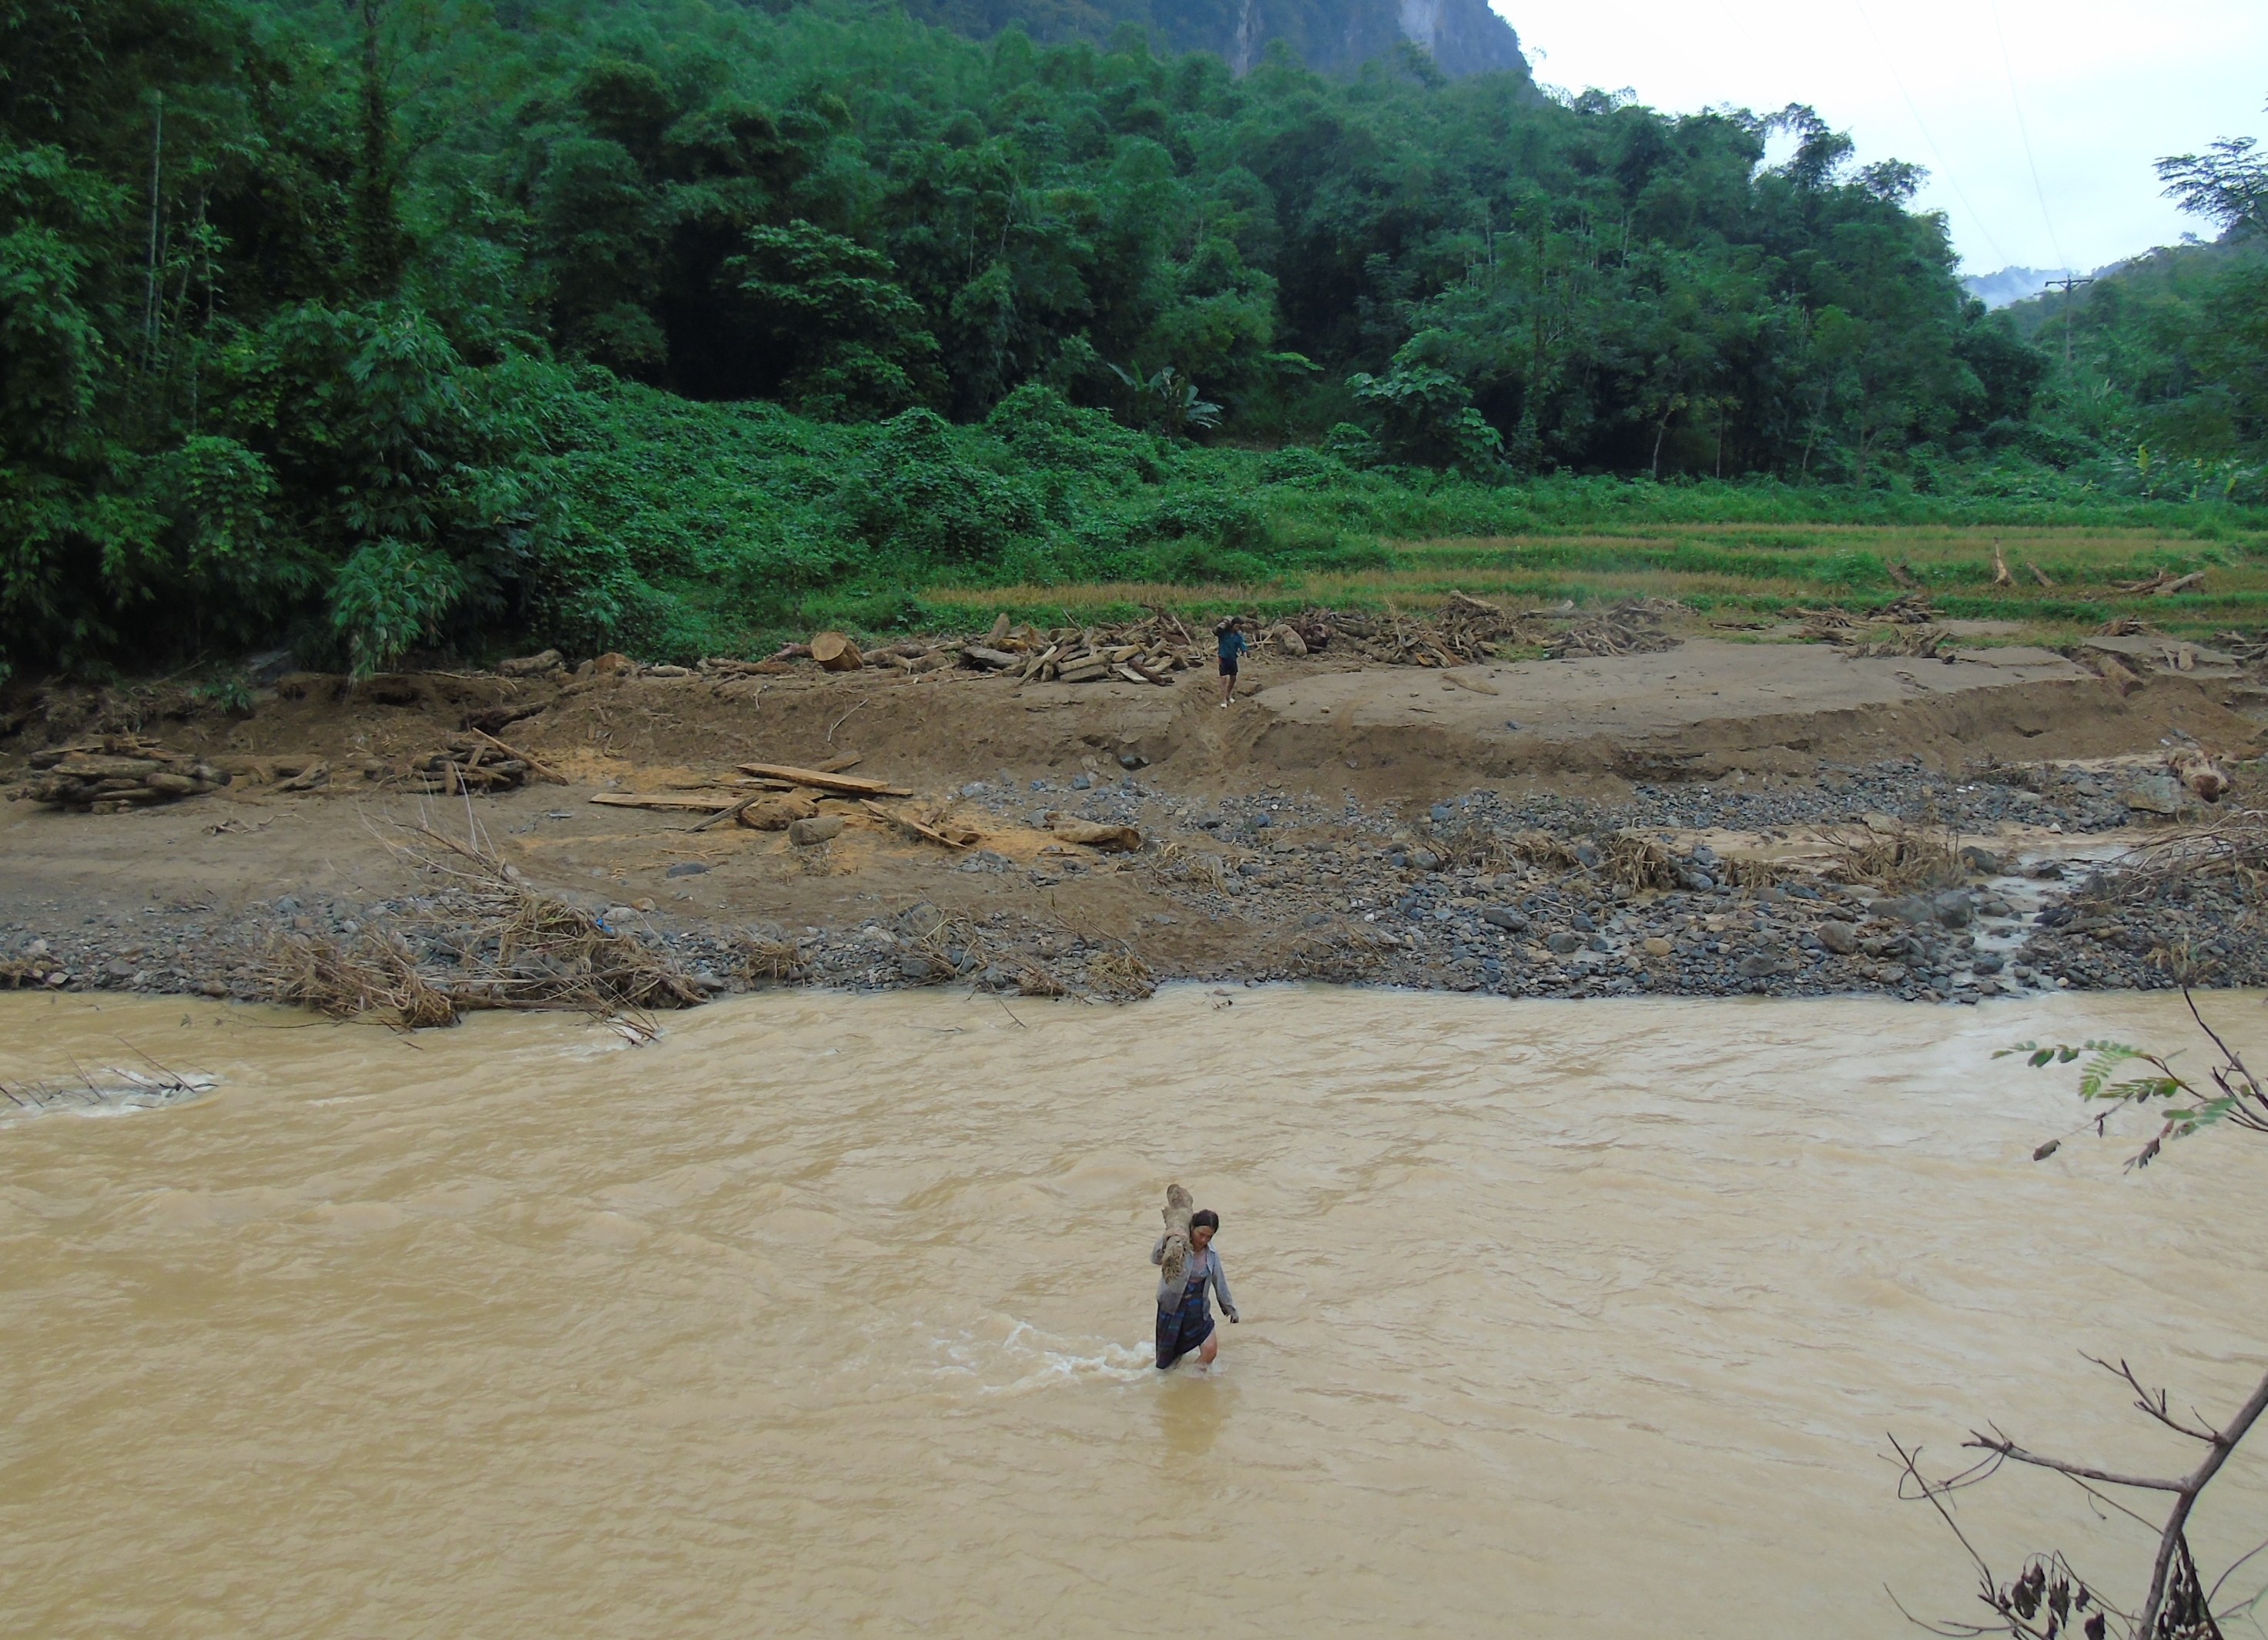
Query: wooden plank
point(851, 785)
point(657, 800)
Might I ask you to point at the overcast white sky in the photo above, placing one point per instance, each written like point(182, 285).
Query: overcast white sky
point(2105, 87)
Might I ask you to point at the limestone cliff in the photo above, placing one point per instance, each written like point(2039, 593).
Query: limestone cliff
point(1330, 36)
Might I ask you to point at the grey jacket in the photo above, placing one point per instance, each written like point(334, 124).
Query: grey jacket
point(1208, 1264)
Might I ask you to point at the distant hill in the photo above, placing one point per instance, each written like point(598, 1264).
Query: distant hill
point(1336, 37)
point(2011, 285)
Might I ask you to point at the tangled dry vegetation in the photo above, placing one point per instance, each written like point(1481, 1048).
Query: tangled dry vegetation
point(1891, 855)
point(2231, 850)
point(513, 948)
point(1467, 631)
point(1905, 628)
point(1630, 628)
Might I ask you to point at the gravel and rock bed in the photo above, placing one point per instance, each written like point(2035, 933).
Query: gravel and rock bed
point(1546, 896)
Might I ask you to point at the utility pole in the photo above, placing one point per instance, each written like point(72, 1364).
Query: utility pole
point(2066, 285)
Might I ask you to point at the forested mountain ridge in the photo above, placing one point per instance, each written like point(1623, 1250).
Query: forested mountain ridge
point(1336, 37)
point(644, 324)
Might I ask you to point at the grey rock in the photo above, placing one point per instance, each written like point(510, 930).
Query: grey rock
point(1561, 943)
point(1426, 860)
point(1131, 759)
point(686, 869)
point(1954, 909)
point(1983, 862)
point(1441, 814)
point(1839, 937)
point(1905, 908)
point(819, 829)
point(1503, 917)
point(616, 915)
point(1989, 963)
point(1081, 782)
point(2156, 794)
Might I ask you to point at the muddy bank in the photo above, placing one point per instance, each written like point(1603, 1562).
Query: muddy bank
point(1678, 893)
point(1363, 825)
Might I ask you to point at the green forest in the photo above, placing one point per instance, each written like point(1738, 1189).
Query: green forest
point(663, 325)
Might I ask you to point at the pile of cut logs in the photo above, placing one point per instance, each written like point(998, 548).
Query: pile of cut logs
point(1147, 651)
point(115, 774)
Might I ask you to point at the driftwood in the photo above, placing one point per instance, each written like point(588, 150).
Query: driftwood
point(958, 837)
point(835, 651)
point(1095, 834)
point(1626, 629)
point(775, 814)
point(1912, 609)
point(2163, 583)
point(541, 770)
point(824, 780)
point(665, 799)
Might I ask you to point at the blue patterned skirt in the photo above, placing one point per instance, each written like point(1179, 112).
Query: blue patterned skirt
point(1182, 1330)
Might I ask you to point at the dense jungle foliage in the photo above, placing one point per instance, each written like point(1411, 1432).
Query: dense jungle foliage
point(652, 325)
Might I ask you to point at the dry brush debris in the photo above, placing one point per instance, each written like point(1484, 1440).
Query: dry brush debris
point(1626, 629)
point(491, 941)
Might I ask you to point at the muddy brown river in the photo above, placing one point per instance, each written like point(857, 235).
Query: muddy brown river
point(828, 1315)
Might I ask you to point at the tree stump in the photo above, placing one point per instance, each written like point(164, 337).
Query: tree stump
point(835, 651)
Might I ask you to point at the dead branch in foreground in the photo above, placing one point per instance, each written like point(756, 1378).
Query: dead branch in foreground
point(2047, 1595)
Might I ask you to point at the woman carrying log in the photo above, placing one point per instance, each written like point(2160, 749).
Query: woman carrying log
point(1184, 1316)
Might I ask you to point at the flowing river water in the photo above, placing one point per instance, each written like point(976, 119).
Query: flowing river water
point(830, 1315)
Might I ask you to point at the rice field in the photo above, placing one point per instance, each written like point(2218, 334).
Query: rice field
point(2066, 581)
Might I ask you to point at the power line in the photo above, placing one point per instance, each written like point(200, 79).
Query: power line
point(2008, 66)
point(1944, 165)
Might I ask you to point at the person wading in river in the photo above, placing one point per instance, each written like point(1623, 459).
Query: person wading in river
point(1231, 635)
point(1184, 1316)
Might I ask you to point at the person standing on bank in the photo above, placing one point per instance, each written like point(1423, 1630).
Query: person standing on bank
point(1184, 1317)
point(1231, 634)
